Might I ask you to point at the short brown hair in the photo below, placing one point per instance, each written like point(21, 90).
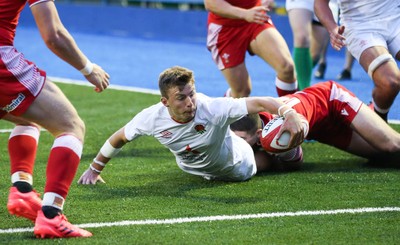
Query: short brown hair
point(249, 124)
point(174, 77)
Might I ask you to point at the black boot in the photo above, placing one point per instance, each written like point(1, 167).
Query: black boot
point(320, 72)
point(344, 75)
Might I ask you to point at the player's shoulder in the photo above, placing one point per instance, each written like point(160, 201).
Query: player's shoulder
point(153, 110)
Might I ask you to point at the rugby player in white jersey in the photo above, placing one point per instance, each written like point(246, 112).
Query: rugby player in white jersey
point(196, 130)
point(371, 31)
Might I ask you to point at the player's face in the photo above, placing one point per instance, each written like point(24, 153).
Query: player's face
point(181, 103)
point(253, 140)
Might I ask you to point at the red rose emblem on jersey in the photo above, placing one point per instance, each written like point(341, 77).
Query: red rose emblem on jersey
point(200, 128)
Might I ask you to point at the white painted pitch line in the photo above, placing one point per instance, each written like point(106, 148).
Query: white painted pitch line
point(128, 88)
point(8, 130)
point(116, 87)
point(220, 218)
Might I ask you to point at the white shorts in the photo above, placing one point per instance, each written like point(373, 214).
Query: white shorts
point(384, 32)
point(244, 162)
point(300, 4)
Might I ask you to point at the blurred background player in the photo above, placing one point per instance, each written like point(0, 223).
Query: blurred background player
point(345, 74)
point(343, 122)
point(236, 27)
point(371, 31)
point(310, 39)
point(31, 101)
point(300, 13)
point(319, 47)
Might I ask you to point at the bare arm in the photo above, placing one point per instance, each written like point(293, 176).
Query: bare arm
point(325, 16)
point(92, 174)
point(292, 122)
point(222, 8)
point(62, 44)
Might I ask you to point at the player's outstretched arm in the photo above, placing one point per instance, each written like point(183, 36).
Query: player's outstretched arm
point(110, 148)
point(62, 44)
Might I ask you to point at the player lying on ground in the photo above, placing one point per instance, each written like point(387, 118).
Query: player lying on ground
point(336, 117)
point(196, 130)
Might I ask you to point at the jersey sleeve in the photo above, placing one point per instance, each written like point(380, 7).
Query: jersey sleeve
point(34, 2)
point(141, 124)
point(226, 110)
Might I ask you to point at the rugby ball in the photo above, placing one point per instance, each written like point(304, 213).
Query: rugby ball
point(269, 140)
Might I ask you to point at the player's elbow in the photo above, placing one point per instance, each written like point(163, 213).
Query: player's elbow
point(208, 5)
point(55, 40)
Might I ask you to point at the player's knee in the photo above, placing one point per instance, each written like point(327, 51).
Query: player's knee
point(392, 146)
point(389, 84)
point(75, 126)
point(286, 70)
point(245, 93)
point(80, 127)
point(241, 92)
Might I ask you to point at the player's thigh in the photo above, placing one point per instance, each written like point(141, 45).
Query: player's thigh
point(374, 130)
point(53, 111)
point(300, 22)
point(360, 147)
point(272, 48)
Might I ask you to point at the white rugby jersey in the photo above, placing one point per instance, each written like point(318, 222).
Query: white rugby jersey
point(359, 11)
point(202, 146)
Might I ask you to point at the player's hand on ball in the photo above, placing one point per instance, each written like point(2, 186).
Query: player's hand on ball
point(90, 177)
point(293, 124)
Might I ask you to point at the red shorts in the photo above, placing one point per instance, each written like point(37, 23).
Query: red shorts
point(228, 44)
point(20, 81)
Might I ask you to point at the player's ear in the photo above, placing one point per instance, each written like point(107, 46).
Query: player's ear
point(164, 101)
point(258, 133)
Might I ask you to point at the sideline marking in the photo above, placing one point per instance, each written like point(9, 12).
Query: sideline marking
point(128, 88)
point(116, 87)
point(220, 217)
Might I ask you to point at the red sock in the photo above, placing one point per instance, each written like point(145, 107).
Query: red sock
point(22, 146)
point(283, 88)
point(62, 165)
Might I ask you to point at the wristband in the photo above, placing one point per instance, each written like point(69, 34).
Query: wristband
point(87, 70)
point(94, 169)
point(108, 150)
point(98, 162)
point(287, 111)
point(280, 108)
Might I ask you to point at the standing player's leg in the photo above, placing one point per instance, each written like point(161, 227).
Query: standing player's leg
point(23, 200)
point(300, 22)
point(272, 48)
point(384, 72)
point(319, 47)
point(52, 110)
point(239, 80)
